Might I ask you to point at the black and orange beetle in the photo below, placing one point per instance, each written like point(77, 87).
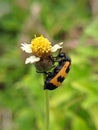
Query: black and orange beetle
point(59, 73)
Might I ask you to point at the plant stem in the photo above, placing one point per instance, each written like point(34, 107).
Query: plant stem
point(47, 109)
point(46, 106)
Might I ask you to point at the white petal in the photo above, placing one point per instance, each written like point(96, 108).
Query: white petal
point(56, 47)
point(32, 59)
point(26, 47)
point(61, 43)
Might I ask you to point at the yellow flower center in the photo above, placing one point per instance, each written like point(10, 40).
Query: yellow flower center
point(41, 46)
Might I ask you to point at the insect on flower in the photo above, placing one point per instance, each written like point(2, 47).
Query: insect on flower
point(41, 56)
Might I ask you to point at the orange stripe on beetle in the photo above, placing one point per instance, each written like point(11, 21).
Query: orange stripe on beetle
point(62, 73)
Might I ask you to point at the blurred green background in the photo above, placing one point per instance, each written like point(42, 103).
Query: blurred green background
point(74, 105)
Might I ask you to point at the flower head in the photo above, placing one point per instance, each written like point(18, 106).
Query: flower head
point(40, 48)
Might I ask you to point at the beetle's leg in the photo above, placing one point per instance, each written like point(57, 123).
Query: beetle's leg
point(43, 72)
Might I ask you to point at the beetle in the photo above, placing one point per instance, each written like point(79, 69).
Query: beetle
point(59, 73)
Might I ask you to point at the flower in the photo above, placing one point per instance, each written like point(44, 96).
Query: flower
point(39, 47)
point(41, 52)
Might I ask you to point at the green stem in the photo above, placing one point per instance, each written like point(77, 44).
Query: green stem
point(47, 109)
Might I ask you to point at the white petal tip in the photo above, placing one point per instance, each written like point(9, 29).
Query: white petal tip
point(61, 43)
point(56, 47)
point(32, 59)
point(26, 47)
